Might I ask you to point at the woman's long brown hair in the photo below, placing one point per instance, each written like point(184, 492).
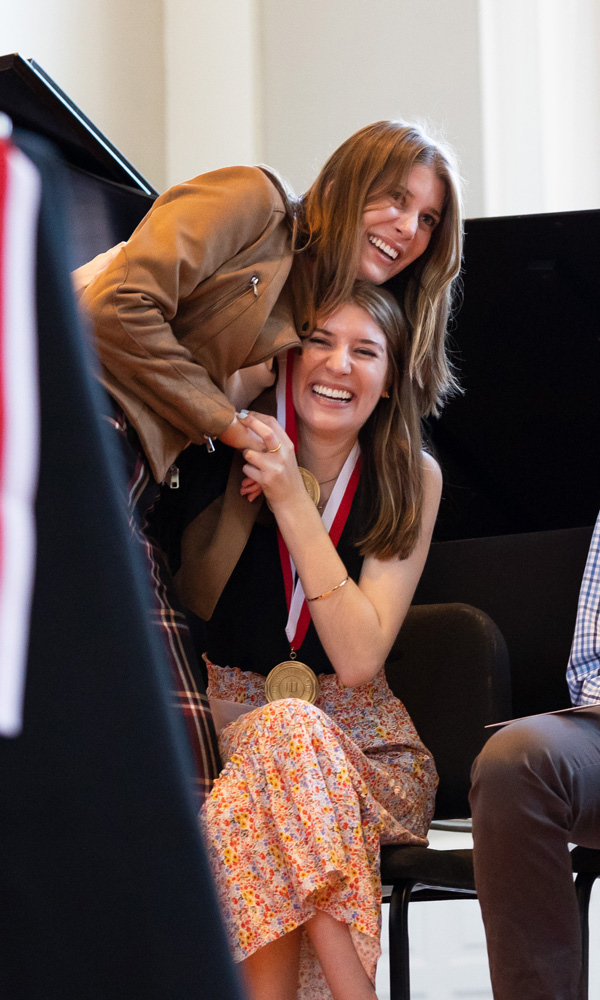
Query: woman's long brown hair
point(391, 444)
point(376, 160)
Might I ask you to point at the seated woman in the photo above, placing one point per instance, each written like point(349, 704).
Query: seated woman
point(311, 787)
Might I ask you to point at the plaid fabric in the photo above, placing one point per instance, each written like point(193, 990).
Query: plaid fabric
point(188, 686)
point(583, 671)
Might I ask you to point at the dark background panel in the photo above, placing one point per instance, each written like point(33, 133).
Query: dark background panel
point(520, 449)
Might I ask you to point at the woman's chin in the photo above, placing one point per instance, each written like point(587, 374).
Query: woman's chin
point(377, 271)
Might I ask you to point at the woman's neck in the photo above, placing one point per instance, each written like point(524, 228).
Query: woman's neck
point(325, 458)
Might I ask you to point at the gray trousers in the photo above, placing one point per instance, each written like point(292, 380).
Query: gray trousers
point(536, 788)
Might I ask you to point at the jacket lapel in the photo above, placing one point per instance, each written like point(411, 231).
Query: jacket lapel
point(214, 541)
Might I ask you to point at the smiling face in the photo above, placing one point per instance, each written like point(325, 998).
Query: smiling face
point(397, 227)
point(341, 374)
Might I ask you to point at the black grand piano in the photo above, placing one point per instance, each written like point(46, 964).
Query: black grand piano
point(108, 196)
point(520, 449)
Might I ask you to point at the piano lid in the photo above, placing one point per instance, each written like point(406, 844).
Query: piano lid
point(107, 196)
point(34, 102)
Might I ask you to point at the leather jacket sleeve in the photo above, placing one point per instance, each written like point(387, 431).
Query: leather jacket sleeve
point(147, 305)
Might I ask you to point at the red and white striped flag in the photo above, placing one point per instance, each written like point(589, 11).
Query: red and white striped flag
point(19, 423)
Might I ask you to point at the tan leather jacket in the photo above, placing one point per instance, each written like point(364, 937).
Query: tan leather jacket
point(193, 296)
point(213, 542)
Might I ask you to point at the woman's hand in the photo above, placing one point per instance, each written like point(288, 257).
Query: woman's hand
point(239, 436)
point(250, 488)
point(272, 468)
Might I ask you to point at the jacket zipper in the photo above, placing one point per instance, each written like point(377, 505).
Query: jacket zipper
point(229, 297)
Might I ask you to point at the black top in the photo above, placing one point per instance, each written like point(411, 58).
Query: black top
point(247, 629)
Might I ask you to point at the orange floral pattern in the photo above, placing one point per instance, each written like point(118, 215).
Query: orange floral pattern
point(307, 794)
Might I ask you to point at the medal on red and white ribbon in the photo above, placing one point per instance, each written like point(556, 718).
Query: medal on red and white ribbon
point(292, 676)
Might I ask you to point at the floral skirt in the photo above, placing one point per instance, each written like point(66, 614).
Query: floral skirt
point(295, 820)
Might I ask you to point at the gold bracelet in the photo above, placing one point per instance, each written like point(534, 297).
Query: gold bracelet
point(328, 593)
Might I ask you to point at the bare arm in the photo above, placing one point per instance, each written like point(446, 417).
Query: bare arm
point(358, 623)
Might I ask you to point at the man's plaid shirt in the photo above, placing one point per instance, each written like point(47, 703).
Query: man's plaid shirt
point(583, 671)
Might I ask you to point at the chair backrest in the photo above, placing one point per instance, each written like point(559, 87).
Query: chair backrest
point(529, 585)
point(449, 665)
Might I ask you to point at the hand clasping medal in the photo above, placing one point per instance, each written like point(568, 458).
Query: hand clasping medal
point(291, 678)
point(311, 485)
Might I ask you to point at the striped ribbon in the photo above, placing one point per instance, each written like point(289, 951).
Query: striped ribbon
point(19, 424)
point(335, 514)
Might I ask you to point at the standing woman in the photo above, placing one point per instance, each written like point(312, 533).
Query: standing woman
point(387, 204)
point(308, 614)
point(229, 270)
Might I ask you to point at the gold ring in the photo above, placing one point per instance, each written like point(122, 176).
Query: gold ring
point(271, 451)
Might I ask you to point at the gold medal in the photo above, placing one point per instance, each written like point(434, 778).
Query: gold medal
point(311, 485)
point(292, 679)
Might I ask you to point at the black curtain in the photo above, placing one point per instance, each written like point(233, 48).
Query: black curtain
point(104, 886)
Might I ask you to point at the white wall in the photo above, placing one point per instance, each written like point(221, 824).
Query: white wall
point(285, 83)
point(181, 86)
point(570, 83)
point(541, 99)
point(213, 110)
point(331, 66)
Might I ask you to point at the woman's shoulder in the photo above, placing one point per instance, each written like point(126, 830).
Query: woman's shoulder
point(283, 187)
point(432, 490)
point(431, 466)
point(258, 186)
point(432, 482)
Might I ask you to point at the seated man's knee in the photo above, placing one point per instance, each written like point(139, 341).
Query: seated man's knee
point(518, 758)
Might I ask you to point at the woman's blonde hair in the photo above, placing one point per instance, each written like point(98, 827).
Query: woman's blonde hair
point(392, 466)
point(372, 162)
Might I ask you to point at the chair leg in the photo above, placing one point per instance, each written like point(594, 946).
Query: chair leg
point(583, 889)
point(398, 938)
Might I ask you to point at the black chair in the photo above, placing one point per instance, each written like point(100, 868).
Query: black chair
point(586, 864)
point(450, 667)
